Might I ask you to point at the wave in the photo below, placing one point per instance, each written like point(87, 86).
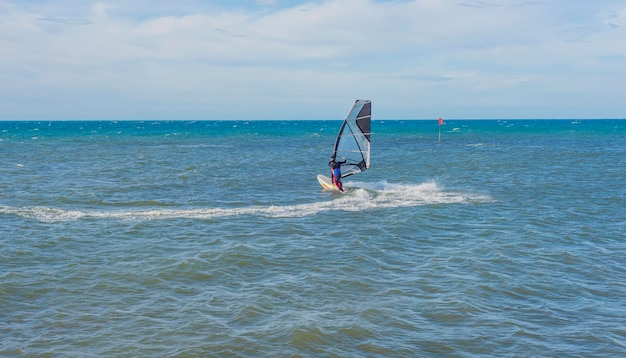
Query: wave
point(361, 196)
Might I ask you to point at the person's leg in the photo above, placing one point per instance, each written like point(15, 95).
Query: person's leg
point(338, 184)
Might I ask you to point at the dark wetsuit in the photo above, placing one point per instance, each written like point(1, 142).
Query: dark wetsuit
point(336, 173)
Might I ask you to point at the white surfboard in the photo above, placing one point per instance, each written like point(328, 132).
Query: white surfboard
point(327, 183)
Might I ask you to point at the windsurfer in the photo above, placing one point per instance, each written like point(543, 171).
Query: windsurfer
point(335, 167)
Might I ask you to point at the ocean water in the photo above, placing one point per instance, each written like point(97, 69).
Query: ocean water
point(213, 238)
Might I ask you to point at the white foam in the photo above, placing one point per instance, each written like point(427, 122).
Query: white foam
point(361, 196)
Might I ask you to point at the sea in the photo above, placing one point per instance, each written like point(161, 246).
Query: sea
point(476, 238)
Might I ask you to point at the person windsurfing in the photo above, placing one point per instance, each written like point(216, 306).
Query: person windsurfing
point(335, 168)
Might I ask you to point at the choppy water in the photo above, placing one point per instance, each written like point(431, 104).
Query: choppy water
point(506, 238)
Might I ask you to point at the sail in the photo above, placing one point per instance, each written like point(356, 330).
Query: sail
point(353, 140)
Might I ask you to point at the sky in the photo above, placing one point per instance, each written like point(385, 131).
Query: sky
point(273, 59)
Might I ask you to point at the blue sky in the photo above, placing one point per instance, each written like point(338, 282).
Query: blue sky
point(273, 59)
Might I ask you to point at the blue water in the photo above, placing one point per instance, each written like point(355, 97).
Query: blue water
point(209, 238)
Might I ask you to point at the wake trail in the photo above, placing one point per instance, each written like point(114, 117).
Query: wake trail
point(362, 196)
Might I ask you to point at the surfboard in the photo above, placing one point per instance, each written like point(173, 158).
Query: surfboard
point(327, 183)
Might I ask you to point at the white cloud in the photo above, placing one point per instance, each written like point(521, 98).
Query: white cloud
point(415, 59)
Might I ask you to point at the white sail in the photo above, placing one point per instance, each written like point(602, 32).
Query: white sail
point(353, 140)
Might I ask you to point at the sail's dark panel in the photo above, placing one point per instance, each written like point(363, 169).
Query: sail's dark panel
point(364, 119)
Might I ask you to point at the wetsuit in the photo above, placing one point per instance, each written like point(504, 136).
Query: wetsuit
point(336, 173)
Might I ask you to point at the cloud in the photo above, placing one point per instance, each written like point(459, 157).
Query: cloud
point(415, 59)
point(65, 21)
